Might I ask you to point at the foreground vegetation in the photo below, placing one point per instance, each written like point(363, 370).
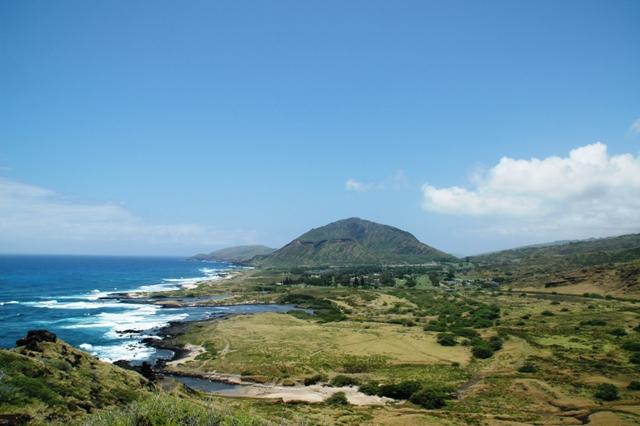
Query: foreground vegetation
point(466, 354)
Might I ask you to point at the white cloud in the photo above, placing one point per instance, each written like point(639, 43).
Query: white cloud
point(634, 129)
point(36, 219)
point(398, 181)
point(587, 193)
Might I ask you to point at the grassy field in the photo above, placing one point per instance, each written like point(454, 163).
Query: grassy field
point(281, 346)
point(555, 351)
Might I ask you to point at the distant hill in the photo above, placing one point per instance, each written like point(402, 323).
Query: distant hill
point(353, 241)
point(604, 265)
point(237, 254)
point(589, 252)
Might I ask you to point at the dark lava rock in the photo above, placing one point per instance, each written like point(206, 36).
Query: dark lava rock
point(146, 369)
point(34, 337)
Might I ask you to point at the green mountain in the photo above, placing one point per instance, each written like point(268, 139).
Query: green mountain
point(353, 241)
point(237, 254)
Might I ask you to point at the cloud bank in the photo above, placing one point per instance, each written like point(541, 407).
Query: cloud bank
point(395, 182)
point(37, 220)
point(588, 193)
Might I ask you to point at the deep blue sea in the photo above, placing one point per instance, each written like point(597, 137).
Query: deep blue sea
point(62, 294)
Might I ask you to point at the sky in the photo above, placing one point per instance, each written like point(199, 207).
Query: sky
point(170, 128)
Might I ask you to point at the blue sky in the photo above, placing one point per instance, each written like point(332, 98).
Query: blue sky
point(163, 127)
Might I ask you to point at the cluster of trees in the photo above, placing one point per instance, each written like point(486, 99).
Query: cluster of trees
point(365, 276)
point(480, 348)
point(482, 316)
point(323, 310)
point(429, 397)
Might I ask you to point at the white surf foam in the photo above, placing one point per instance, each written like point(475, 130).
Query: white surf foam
point(130, 351)
point(54, 304)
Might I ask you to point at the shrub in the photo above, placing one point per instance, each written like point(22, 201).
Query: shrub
point(370, 388)
point(594, 322)
point(618, 332)
point(338, 398)
point(435, 326)
point(607, 392)
point(308, 381)
point(631, 345)
point(635, 358)
point(401, 390)
point(528, 368)
point(431, 398)
point(482, 351)
point(495, 343)
point(547, 313)
point(447, 339)
point(342, 380)
point(634, 385)
point(465, 332)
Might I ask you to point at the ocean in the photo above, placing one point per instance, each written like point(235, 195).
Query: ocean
point(62, 294)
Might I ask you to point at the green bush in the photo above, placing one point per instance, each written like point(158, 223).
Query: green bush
point(482, 351)
point(528, 368)
point(634, 385)
point(370, 388)
point(447, 339)
point(469, 333)
point(635, 358)
point(618, 332)
point(316, 378)
point(495, 343)
point(338, 398)
point(607, 392)
point(342, 380)
point(431, 398)
point(547, 313)
point(401, 390)
point(594, 322)
point(631, 346)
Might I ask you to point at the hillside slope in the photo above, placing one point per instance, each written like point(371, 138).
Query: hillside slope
point(605, 265)
point(44, 379)
point(353, 241)
point(590, 252)
point(236, 254)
